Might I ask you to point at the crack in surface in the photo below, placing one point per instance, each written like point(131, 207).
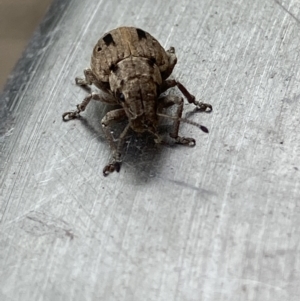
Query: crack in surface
point(286, 10)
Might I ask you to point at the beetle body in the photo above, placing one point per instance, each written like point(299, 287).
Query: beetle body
point(131, 68)
point(128, 42)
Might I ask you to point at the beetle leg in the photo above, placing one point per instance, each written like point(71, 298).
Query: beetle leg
point(191, 98)
point(172, 62)
point(110, 117)
point(80, 107)
point(170, 100)
point(106, 98)
point(89, 79)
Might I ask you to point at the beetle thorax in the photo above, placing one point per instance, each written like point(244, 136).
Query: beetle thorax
point(135, 83)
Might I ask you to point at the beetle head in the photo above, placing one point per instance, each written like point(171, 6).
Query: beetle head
point(134, 83)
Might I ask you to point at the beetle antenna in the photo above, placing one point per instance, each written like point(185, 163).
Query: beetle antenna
point(201, 127)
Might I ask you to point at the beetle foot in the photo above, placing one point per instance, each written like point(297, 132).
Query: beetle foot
point(171, 49)
point(74, 114)
point(158, 140)
point(80, 81)
point(70, 115)
point(185, 141)
point(203, 106)
point(109, 168)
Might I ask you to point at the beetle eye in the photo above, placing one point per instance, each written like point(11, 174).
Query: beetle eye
point(121, 97)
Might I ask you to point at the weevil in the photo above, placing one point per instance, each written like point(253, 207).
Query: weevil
point(131, 68)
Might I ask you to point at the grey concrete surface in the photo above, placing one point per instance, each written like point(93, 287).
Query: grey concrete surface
point(220, 221)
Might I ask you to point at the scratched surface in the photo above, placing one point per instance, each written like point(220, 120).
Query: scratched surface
point(220, 221)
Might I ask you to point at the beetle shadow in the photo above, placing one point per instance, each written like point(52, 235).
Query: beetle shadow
point(141, 156)
point(144, 158)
